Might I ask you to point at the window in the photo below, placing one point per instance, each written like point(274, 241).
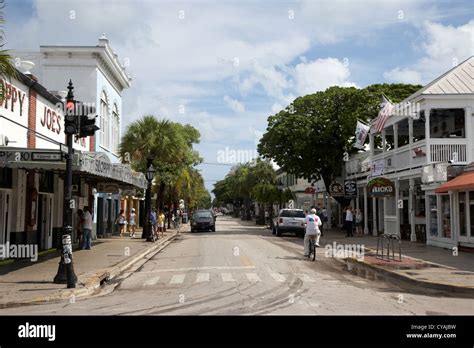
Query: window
point(6, 177)
point(419, 199)
point(462, 214)
point(446, 216)
point(104, 120)
point(46, 182)
point(403, 134)
point(433, 215)
point(389, 138)
point(116, 129)
point(447, 123)
point(419, 127)
point(293, 213)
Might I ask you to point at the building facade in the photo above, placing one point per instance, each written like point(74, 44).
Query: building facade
point(420, 149)
point(99, 79)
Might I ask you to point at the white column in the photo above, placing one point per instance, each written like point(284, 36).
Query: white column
point(410, 139)
point(427, 135)
point(411, 209)
point(374, 212)
point(397, 210)
point(366, 213)
point(469, 127)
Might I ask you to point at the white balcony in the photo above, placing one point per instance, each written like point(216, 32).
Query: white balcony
point(445, 150)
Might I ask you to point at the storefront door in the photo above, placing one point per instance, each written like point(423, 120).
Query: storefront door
point(5, 215)
point(466, 217)
point(45, 216)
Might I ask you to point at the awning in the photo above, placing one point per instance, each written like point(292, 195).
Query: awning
point(97, 165)
point(463, 182)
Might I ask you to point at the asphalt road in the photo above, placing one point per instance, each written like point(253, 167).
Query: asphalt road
point(244, 269)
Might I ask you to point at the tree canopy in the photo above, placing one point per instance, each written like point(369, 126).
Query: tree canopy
point(310, 136)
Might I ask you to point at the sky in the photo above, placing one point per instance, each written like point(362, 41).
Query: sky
point(225, 66)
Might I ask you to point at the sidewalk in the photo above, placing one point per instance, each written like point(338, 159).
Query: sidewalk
point(24, 282)
point(422, 265)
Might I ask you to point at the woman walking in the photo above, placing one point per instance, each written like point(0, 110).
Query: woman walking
point(121, 221)
point(358, 219)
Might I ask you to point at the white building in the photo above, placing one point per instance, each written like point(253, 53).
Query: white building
point(99, 79)
point(418, 151)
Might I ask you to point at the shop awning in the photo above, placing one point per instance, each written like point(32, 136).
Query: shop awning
point(463, 182)
point(94, 164)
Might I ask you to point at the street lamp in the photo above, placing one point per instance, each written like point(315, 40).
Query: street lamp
point(150, 174)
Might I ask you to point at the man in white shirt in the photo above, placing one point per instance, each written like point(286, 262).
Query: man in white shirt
point(87, 229)
point(349, 221)
point(312, 229)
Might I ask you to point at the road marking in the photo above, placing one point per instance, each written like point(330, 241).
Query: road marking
point(151, 281)
point(227, 277)
point(245, 261)
point(253, 277)
point(202, 277)
point(360, 281)
point(177, 279)
point(198, 269)
point(278, 277)
point(306, 278)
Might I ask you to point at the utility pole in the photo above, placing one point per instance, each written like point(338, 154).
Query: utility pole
point(66, 268)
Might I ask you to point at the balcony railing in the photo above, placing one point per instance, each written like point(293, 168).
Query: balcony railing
point(456, 152)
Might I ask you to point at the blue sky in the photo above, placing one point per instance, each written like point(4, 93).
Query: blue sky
point(228, 65)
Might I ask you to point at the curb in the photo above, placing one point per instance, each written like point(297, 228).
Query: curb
point(355, 265)
point(92, 280)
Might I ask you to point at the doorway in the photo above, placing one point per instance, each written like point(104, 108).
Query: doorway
point(44, 235)
point(5, 216)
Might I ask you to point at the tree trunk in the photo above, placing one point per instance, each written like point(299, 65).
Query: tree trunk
point(159, 199)
point(146, 225)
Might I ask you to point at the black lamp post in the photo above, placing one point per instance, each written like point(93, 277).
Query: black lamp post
point(65, 274)
point(150, 174)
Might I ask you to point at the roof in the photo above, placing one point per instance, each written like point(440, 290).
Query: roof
point(458, 80)
point(463, 182)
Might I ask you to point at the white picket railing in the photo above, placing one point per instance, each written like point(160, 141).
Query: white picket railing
point(448, 152)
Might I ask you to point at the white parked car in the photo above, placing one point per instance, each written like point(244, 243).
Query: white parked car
point(290, 220)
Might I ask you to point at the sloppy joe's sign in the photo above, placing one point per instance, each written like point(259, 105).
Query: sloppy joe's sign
point(381, 187)
point(14, 101)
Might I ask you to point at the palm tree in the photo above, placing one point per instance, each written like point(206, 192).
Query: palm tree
point(7, 69)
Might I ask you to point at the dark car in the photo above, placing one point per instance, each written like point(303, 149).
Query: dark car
point(203, 220)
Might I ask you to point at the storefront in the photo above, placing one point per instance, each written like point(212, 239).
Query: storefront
point(452, 210)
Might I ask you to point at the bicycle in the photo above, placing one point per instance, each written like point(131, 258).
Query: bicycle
point(312, 247)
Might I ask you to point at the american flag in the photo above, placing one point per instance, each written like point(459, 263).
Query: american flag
point(384, 114)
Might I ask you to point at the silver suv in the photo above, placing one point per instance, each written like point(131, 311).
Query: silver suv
point(290, 220)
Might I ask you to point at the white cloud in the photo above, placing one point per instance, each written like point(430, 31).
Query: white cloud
point(443, 48)
point(399, 75)
point(320, 74)
point(235, 105)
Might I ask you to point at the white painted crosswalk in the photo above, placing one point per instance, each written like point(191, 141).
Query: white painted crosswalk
point(178, 279)
point(240, 277)
point(202, 277)
point(253, 277)
point(227, 277)
point(152, 281)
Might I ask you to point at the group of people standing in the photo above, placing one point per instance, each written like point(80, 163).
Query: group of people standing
point(84, 228)
point(353, 220)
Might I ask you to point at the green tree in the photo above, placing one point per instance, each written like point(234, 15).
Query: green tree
point(309, 137)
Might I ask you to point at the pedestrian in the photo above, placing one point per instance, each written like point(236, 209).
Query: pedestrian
point(153, 221)
point(312, 230)
point(358, 220)
point(121, 222)
point(87, 229)
point(132, 222)
point(161, 223)
point(80, 222)
point(349, 222)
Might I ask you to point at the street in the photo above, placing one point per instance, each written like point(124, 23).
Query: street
point(243, 269)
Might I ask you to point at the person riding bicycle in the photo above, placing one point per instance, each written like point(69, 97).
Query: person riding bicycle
point(312, 230)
